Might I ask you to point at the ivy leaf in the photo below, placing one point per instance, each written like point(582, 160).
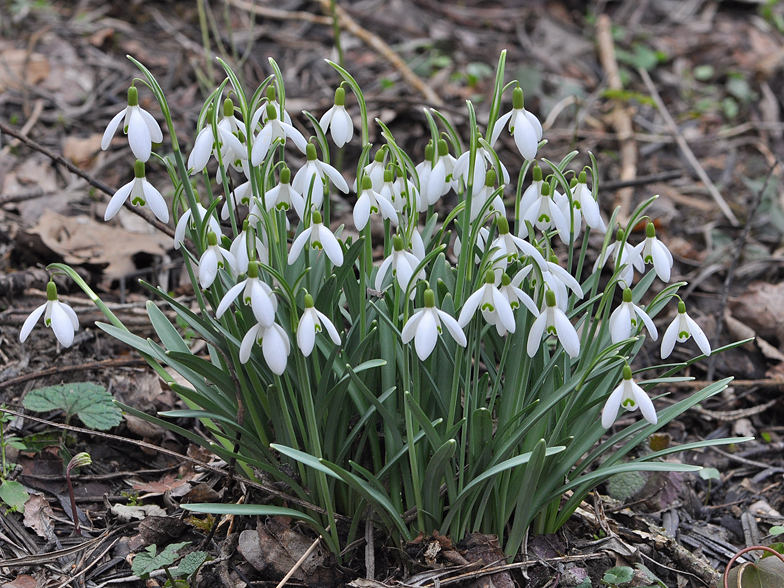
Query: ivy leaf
point(150, 560)
point(93, 404)
point(14, 495)
point(618, 575)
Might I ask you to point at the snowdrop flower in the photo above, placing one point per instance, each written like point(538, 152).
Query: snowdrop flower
point(424, 327)
point(405, 195)
point(481, 238)
point(507, 247)
point(239, 248)
point(495, 306)
point(256, 294)
point(437, 181)
point(482, 196)
point(573, 207)
point(402, 263)
point(654, 251)
point(213, 258)
point(274, 345)
point(140, 126)
point(272, 131)
point(142, 193)
point(681, 328)
point(510, 288)
point(558, 280)
point(375, 170)
point(370, 202)
point(629, 396)
point(239, 196)
point(283, 196)
point(234, 151)
point(583, 200)
point(524, 127)
point(552, 320)
point(544, 214)
point(530, 197)
point(310, 323)
point(338, 120)
point(187, 220)
point(623, 321)
point(57, 315)
point(319, 237)
point(630, 258)
point(262, 110)
point(322, 172)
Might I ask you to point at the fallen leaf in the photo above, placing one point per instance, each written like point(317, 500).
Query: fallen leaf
point(169, 483)
point(22, 581)
point(82, 150)
point(37, 515)
point(141, 512)
point(16, 62)
point(486, 549)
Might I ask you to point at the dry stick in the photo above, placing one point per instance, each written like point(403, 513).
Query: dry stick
point(106, 363)
point(374, 42)
point(643, 180)
point(169, 452)
point(278, 14)
point(725, 291)
point(164, 228)
point(621, 119)
point(300, 561)
point(686, 150)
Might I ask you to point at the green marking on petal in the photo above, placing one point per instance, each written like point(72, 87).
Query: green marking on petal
point(544, 218)
point(488, 307)
point(684, 335)
point(629, 404)
point(317, 245)
point(138, 201)
point(552, 331)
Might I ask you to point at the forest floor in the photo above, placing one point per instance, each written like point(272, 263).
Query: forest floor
point(681, 99)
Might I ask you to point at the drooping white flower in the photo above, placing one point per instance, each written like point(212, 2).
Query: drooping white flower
point(338, 120)
point(256, 294)
point(483, 159)
point(311, 322)
point(187, 220)
point(544, 214)
point(424, 327)
point(681, 328)
point(274, 343)
point(552, 320)
point(272, 131)
point(437, 181)
point(559, 280)
point(140, 126)
point(142, 193)
point(239, 247)
point(57, 315)
point(317, 173)
point(402, 263)
point(405, 195)
point(495, 306)
point(507, 247)
point(214, 258)
point(630, 258)
point(583, 199)
point(629, 396)
point(239, 196)
point(319, 237)
point(654, 251)
point(371, 202)
point(623, 320)
point(510, 288)
point(272, 99)
point(524, 127)
point(283, 196)
point(375, 170)
point(482, 196)
point(570, 209)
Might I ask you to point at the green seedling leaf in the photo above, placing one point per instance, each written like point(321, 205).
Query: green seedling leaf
point(777, 530)
point(779, 546)
point(625, 485)
point(618, 575)
point(709, 474)
point(150, 560)
point(14, 495)
point(93, 404)
point(190, 564)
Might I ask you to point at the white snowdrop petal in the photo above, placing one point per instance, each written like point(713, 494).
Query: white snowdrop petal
point(535, 124)
point(299, 244)
point(112, 129)
point(335, 176)
point(610, 411)
point(71, 315)
point(647, 321)
point(179, 230)
point(535, 334)
point(504, 311)
point(382, 272)
point(327, 324)
point(247, 343)
point(208, 267)
point(62, 325)
point(620, 324)
point(139, 136)
point(292, 133)
point(426, 335)
point(306, 332)
point(646, 404)
point(274, 346)
point(669, 339)
point(498, 127)
point(261, 145)
point(567, 334)
point(331, 246)
point(152, 125)
point(202, 149)
point(262, 304)
point(453, 327)
point(30, 322)
point(361, 212)
point(326, 118)
point(699, 336)
point(226, 301)
point(525, 138)
point(661, 263)
point(117, 201)
point(410, 328)
point(155, 201)
point(469, 307)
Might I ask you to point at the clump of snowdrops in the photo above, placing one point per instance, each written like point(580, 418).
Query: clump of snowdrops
point(464, 383)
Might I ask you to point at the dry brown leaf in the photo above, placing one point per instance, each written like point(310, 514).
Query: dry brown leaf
point(169, 483)
point(13, 62)
point(761, 307)
point(22, 581)
point(37, 515)
point(82, 150)
point(80, 239)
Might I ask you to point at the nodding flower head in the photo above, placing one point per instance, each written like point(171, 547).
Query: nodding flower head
point(57, 315)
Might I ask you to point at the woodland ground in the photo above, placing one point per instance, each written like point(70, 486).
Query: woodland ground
point(711, 150)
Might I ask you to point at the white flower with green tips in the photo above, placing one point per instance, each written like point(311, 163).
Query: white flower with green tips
point(401, 263)
point(630, 396)
point(630, 258)
point(57, 315)
point(317, 173)
point(261, 112)
point(311, 322)
point(275, 346)
point(187, 220)
point(371, 202)
point(214, 258)
point(436, 181)
point(681, 328)
point(142, 193)
point(424, 327)
point(623, 320)
point(140, 126)
point(544, 214)
point(318, 237)
point(508, 247)
point(524, 127)
point(510, 288)
point(654, 251)
point(239, 247)
point(256, 294)
point(482, 196)
point(583, 199)
point(337, 120)
point(492, 303)
point(552, 320)
point(274, 130)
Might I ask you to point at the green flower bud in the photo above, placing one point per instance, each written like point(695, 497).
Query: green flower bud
point(228, 107)
point(285, 175)
point(490, 178)
point(627, 295)
point(503, 225)
point(489, 277)
point(272, 112)
point(389, 176)
point(619, 235)
point(308, 301)
point(537, 173)
point(133, 96)
point(367, 183)
point(545, 189)
point(430, 298)
point(380, 156)
point(340, 96)
point(397, 243)
point(572, 182)
point(505, 280)
point(627, 372)
point(443, 148)
point(253, 269)
point(681, 307)
point(518, 99)
point(271, 94)
point(549, 298)
point(429, 151)
point(310, 152)
point(51, 291)
point(212, 239)
point(583, 178)
point(245, 224)
point(650, 230)
point(316, 217)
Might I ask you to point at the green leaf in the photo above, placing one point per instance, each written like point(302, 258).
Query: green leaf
point(93, 404)
point(766, 573)
point(709, 474)
point(149, 560)
point(190, 564)
point(777, 530)
point(618, 575)
point(14, 495)
point(626, 484)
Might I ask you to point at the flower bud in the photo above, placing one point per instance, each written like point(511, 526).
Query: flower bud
point(253, 269)
point(681, 307)
point(133, 96)
point(212, 239)
point(308, 301)
point(285, 176)
point(228, 107)
point(316, 217)
point(272, 112)
point(545, 189)
point(490, 178)
point(549, 298)
point(340, 96)
point(310, 152)
point(51, 291)
point(537, 173)
point(367, 183)
point(489, 277)
point(503, 225)
point(627, 295)
point(650, 230)
point(518, 99)
point(430, 298)
point(397, 243)
point(443, 148)
point(583, 178)
point(627, 372)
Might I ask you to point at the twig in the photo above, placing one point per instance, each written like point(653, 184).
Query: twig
point(300, 561)
point(686, 150)
point(278, 14)
point(375, 42)
point(744, 461)
point(87, 568)
point(95, 365)
point(621, 119)
point(94, 182)
point(179, 456)
point(642, 180)
point(725, 290)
